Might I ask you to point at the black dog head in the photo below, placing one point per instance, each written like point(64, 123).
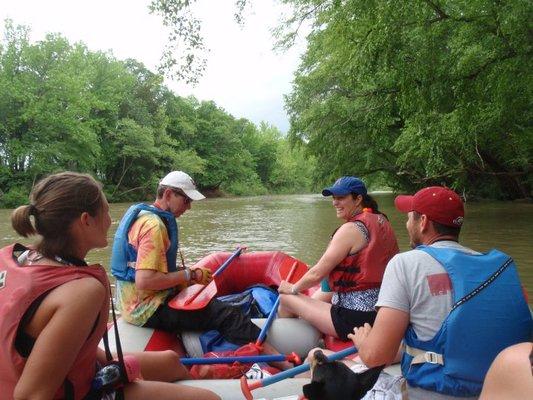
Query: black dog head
point(332, 380)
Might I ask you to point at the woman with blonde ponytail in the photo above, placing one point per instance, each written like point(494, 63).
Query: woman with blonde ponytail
point(55, 307)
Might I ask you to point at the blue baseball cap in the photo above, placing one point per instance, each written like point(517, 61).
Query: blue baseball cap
point(344, 186)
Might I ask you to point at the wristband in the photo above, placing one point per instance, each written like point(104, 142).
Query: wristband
point(187, 274)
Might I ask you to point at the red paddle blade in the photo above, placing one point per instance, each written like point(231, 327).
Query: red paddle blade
point(194, 297)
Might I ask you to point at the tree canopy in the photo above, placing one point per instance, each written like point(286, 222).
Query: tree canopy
point(411, 93)
point(65, 107)
point(419, 93)
point(404, 94)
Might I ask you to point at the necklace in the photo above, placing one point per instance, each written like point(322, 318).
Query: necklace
point(71, 261)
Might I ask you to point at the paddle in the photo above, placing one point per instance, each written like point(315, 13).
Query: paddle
point(196, 297)
point(274, 310)
point(247, 388)
point(293, 357)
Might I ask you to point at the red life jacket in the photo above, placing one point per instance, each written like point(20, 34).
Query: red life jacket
point(364, 269)
point(19, 288)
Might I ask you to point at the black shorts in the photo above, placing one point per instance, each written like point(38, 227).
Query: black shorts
point(97, 395)
point(344, 320)
point(228, 320)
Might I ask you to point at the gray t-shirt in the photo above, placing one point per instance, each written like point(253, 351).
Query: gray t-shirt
point(416, 283)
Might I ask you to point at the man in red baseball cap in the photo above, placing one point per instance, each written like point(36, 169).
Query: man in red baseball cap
point(440, 205)
point(453, 308)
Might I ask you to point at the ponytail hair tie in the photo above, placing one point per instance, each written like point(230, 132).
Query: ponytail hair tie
point(32, 209)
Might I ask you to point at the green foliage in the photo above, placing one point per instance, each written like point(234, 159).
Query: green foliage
point(420, 93)
point(293, 170)
point(185, 33)
point(14, 197)
point(64, 107)
point(404, 93)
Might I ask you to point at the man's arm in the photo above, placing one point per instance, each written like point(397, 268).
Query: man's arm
point(378, 345)
point(149, 279)
point(150, 237)
point(509, 376)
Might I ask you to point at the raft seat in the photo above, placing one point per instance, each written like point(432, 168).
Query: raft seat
point(136, 338)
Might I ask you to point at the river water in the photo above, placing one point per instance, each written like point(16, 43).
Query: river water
point(301, 225)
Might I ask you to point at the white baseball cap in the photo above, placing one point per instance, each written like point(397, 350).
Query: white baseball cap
point(181, 180)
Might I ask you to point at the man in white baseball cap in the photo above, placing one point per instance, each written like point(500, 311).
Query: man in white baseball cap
point(144, 262)
point(181, 180)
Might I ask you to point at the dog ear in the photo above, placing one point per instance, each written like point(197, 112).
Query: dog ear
point(314, 391)
point(319, 357)
point(368, 378)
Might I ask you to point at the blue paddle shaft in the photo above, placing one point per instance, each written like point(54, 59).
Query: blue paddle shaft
point(227, 262)
point(268, 322)
point(274, 310)
point(305, 367)
point(227, 360)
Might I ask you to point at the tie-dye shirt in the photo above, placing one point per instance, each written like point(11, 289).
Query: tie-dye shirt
point(149, 236)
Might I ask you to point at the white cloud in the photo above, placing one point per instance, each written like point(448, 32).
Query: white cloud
point(243, 76)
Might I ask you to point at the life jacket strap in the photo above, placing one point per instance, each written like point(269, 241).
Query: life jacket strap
point(348, 269)
point(404, 391)
point(344, 284)
point(422, 356)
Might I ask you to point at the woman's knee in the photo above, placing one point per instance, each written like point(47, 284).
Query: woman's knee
point(285, 306)
point(164, 366)
point(171, 361)
point(170, 357)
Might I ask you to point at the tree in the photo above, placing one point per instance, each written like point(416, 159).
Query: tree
point(44, 108)
point(424, 92)
point(67, 108)
point(413, 93)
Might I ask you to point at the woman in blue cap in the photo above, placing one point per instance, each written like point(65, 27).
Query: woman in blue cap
point(351, 268)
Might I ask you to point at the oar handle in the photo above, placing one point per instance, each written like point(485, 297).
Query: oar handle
point(293, 357)
point(219, 270)
point(274, 310)
point(228, 262)
point(247, 388)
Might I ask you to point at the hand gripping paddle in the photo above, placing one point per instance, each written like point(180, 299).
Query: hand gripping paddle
point(196, 297)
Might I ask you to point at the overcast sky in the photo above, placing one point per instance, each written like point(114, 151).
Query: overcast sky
point(244, 76)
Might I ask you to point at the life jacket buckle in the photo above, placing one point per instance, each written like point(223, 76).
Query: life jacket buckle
point(432, 357)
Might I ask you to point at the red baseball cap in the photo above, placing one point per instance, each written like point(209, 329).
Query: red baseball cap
point(440, 204)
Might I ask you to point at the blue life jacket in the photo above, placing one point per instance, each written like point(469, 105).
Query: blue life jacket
point(124, 255)
point(488, 315)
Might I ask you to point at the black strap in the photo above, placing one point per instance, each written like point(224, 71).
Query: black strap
point(483, 285)
point(348, 269)
point(119, 392)
point(108, 354)
point(69, 390)
point(344, 284)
